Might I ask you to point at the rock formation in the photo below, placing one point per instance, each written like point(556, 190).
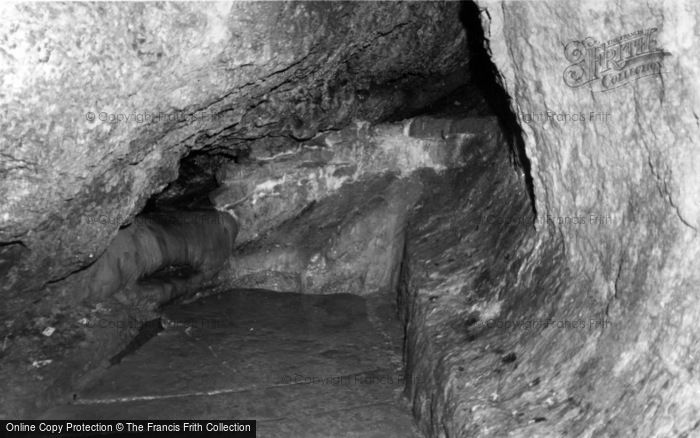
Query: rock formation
point(101, 101)
point(521, 176)
point(603, 345)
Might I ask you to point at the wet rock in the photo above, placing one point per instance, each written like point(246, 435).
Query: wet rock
point(267, 356)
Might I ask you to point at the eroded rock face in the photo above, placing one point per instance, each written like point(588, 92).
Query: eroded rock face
point(349, 242)
point(614, 165)
point(267, 191)
point(638, 167)
point(330, 216)
point(100, 101)
point(465, 273)
point(583, 325)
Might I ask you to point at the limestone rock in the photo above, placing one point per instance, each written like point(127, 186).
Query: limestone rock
point(330, 216)
point(271, 190)
point(100, 101)
point(614, 162)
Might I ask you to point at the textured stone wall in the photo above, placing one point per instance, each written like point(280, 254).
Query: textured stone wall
point(620, 152)
point(330, 216)
point(585, 324)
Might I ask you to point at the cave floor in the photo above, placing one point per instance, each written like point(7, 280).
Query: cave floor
point(301, 365)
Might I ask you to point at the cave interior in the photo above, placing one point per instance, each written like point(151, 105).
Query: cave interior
point(361, 253)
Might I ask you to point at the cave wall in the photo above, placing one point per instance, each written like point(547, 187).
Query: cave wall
point(633, 163)
point(100, 101)
point(220, 77)
point(586, 327)
point(330, 216)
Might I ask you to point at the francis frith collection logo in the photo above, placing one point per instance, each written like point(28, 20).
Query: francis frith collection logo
point(615, 63)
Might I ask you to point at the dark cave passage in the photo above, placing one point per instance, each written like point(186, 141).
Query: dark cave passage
point(281, 276)
point(318, 312)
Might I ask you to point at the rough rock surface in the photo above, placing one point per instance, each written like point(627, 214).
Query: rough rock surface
point(333, 234)
point(268, 191)
point(582, 325)
point(614, 167)
point(100, 101)
point(469, 271)
point(330, 217)
point(350, 242)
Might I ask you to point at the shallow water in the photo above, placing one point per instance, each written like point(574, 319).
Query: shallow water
point(301, 365)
